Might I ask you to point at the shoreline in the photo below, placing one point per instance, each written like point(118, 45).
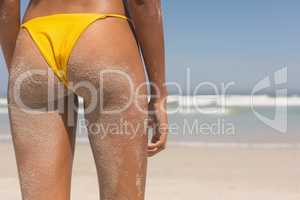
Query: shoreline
point(214, 145)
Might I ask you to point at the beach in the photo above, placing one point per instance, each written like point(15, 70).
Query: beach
point(230, 72)
point(238, 157)
point(181, 172)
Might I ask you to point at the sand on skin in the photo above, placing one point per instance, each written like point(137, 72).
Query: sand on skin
point(182, 173)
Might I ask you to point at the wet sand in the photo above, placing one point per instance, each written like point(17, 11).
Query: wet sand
point(191, 173)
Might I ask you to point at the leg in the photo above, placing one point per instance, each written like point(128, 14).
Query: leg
point(44, 140)
point(118, 139)
point(120, 153)
point(119, 144)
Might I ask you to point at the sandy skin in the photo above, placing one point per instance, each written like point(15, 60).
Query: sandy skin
point(217, 173)
point(45, 142)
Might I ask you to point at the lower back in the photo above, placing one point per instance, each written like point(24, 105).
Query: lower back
point(47, 7)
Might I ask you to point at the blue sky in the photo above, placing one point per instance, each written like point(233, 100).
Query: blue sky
point(234, 40)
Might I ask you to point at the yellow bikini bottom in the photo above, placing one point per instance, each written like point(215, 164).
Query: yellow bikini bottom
point(55, 36)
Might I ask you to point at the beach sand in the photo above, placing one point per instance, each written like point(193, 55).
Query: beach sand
point(187, 173)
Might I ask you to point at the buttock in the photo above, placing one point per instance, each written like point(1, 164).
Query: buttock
point(105, 49)
point(106, 58)
point(32, 84)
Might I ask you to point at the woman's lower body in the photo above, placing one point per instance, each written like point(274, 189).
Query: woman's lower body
point(106, 70)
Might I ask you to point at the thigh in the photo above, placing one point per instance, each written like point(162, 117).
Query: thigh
point(41, 130)
point(119, 142)
point(107, 71)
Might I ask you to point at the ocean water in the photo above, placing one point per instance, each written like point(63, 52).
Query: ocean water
point(259, 121)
